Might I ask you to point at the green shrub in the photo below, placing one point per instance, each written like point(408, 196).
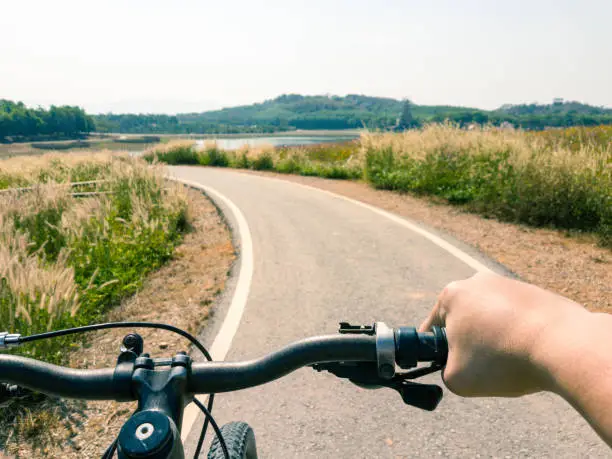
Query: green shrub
point(263, 162)
point(290, 165)
point(240, 161)
point(173, 154)
point(213, 156)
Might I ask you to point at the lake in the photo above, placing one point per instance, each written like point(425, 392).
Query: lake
point(235, 143)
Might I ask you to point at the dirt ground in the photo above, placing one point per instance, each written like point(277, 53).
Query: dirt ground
point(573, 266)
point(181, 294)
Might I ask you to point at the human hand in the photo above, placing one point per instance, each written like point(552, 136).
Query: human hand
point(497, 330)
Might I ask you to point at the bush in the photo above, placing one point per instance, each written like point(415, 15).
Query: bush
point(173, 153)
point(240, 161)
point(263, 162)
point(213, 156)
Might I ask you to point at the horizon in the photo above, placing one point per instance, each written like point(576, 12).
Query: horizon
point(191, 57)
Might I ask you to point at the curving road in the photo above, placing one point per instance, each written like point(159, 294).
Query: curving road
point(319, 260)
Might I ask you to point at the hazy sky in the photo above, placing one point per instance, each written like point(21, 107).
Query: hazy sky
point(195, 55)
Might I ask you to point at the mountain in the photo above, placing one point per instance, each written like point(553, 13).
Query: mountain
point(294, 111)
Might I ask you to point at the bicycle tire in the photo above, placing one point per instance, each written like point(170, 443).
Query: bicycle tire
point(240, 440)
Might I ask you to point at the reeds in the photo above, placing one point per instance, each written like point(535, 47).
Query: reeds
point(65, 260)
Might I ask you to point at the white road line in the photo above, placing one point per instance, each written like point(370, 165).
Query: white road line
point(443, 244)
point(223, 340)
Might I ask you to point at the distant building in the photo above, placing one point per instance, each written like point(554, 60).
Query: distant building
point(558, 101)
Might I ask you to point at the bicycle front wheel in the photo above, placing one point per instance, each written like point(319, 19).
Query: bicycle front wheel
point(240, 440)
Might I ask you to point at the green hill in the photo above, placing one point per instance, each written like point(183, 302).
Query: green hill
point(293, 111)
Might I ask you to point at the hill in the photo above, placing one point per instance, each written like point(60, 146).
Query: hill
point(290, 112)
point(293, 111)
point(286, 112)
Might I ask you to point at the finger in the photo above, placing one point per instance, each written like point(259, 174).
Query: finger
point(433, 319)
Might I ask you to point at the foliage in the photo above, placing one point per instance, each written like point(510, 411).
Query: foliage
point(19, 122)
point(407, 120)
point(64, 260)
point(173, 153)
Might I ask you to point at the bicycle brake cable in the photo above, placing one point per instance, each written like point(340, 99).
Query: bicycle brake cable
point(208, 415)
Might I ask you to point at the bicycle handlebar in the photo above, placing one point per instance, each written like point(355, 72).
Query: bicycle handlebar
point(57, 380)
point(214, 377)
point(366, 355)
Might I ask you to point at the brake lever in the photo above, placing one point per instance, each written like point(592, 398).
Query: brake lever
point(365, 374)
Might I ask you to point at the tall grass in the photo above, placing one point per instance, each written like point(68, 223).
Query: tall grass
point(330, 161)
point(505, 174)
point(64, 260)
point(577, 137)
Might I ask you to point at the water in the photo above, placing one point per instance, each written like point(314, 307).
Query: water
point(235, 143)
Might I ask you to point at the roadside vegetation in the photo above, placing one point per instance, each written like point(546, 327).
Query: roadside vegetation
point(338, 161)
point(558, 178)
point(69, 253)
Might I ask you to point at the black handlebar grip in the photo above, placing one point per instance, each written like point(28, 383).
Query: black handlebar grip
point(412, 347)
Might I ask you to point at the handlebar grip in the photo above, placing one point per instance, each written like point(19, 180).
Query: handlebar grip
point(60, 381)
point(412, 347)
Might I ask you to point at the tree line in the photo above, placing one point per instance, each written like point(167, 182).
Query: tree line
point(18, 122)
point(290, 112)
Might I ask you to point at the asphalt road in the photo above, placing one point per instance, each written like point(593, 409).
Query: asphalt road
point(319, 260)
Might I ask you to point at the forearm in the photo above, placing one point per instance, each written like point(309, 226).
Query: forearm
point(577, 360)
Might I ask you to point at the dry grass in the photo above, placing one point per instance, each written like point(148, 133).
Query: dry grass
point(503, 173)
point(64, 260)
point(592, 159)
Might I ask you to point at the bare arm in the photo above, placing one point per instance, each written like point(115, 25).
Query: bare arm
point(508, 338)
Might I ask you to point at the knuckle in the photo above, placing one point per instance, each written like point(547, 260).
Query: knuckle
point(450, 291)
point(454, 381)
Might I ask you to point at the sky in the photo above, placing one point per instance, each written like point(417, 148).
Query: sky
point(194, 55)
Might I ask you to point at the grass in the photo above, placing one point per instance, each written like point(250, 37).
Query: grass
point(504, 174)
point(64, 261)
point(328, 160)
point(576, 138)
point(555, 178)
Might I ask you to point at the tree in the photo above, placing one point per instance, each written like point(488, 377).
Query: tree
point(18, 121)
point(407, 121)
